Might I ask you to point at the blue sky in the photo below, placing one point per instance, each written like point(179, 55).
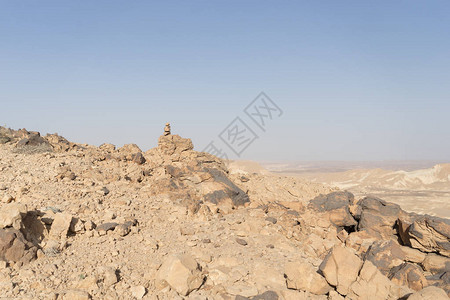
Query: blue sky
point(356, 80)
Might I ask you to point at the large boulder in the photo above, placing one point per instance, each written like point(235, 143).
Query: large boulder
point(302, 276)
point(426, 233)
point(335, 207)
point(385, 255)
point(410, 275)
point(182, 273)
point(378, 217)
point(372, 285)
point(340, 268)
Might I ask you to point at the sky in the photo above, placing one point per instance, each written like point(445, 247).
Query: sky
point(354, 80)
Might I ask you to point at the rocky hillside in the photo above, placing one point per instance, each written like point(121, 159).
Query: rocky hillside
point(85, 222)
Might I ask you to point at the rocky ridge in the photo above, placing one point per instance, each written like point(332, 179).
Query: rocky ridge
point(85, 222)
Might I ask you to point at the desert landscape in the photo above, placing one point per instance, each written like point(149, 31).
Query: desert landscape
point(418, 186)
point(79, 221)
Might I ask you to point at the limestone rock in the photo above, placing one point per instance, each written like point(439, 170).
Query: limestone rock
point(14, 247)
point(430, 234)
point(413, 255)
point(372, 285)
point(302, 276)
point(410, 275)
point(174, 144)
point(429, 293)
point(76, 295)
point(182, 273)
point(378, 216)
point(336, 206)
point(340, 268)
point(360, 241)
point(7, 198)
point(138, 292)
point(385, 255)
point(60, 226)
point(436, 263)
point(11, 215)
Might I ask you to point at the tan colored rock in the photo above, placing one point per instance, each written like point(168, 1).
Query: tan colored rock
point(410, 275)
point(167, 129)
point(138, 292)
point(333, 295)
point(340, 268)
point(413, 255)
point(11, 215)
point(429, 293)
point(7, 198)
point(76, 295)
point(60, 226)
point(372, 285)
point(360, 241)
point(109, 276)
point(303, 276)
point(436, 263)
point(182, 273)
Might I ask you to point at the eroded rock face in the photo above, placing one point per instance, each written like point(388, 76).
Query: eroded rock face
point(429, 234)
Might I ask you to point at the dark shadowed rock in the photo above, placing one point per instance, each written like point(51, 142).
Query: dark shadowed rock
point(106, 227)
point(4, 139)
point(268, 295)
point(378, 216)
point(335, 206)
point(14, 247)
point(332, 201)
point(410, 275)
point(429, 234)
point(138, 158)
point(32, 140)
point(385, 255)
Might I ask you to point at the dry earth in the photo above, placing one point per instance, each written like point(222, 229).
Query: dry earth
point(85, 222)
point(413, 185)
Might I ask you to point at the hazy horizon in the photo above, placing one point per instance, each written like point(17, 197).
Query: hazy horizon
point(355, 81)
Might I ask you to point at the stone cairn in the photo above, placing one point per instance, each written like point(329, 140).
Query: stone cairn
point(167, 129)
